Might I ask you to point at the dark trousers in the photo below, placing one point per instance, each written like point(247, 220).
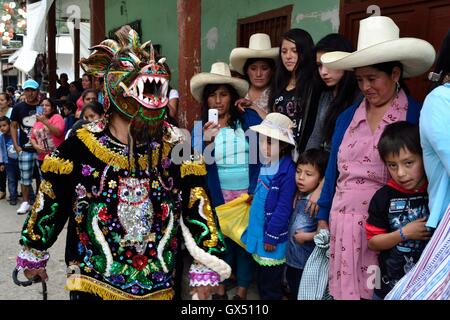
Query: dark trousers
point(241, 262)
point(179, 267)
point(293, 277)
point(270, 282)
point(3, 181)
point(13, 174)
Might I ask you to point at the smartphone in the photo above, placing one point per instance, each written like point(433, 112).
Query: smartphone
point(40, 109)
point(213, 115)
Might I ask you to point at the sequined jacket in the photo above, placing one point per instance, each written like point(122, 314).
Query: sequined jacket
point(122, 221)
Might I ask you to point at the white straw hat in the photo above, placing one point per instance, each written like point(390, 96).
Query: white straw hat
point(379, 41)
point(277, 126)
point(259, 47)
point(220, 74)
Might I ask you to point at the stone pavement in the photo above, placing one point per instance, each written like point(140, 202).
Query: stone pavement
point(10, 227)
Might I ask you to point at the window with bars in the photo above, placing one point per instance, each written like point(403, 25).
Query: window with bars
point(274, 23)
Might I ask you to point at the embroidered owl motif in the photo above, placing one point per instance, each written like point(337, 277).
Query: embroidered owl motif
point(135, 212)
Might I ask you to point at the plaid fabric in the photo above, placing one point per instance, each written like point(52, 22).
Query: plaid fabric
point(313, 285)
point(27, 161)
point(430, 277)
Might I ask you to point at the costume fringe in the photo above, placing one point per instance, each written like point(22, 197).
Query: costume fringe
point(107, 156)
point(205, 258)
point(191, 168)
point(107, 292)
point(57, 165)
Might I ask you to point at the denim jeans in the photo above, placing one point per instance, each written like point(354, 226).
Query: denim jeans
point(13, 177)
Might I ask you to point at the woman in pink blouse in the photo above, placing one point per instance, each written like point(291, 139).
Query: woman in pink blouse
point(355, 171)
point(48, 131)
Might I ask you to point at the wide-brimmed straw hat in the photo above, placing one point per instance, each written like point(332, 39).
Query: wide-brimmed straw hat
point(220, 74)
point(379, 41)
point(277, 126)
point(259, 47)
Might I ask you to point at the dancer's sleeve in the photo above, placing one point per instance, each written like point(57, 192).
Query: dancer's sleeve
point(50, 210)
point(200, 227)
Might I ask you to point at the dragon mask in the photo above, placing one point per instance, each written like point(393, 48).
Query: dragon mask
point(135, 84)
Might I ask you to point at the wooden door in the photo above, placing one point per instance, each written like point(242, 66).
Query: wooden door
point(424, 19)
point(274, 23)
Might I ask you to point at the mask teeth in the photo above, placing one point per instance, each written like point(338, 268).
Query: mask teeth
point(125, 88)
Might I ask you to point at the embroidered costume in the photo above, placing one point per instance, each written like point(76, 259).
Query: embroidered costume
point(124, 203)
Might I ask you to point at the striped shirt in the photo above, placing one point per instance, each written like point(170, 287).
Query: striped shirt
point(430, 277)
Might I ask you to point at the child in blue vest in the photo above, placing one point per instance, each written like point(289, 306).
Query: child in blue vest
point(311, 167)
point(266, 237)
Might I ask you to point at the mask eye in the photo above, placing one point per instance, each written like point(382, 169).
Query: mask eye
point(126, 64)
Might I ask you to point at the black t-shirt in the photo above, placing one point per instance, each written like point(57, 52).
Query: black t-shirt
point(287, 104)
point(25, 115)
point(390, 208)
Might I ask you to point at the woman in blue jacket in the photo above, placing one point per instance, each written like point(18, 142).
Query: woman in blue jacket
point(230, 156)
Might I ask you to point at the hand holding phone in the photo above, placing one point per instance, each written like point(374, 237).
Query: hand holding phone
point(213, 116)
point(40, 110)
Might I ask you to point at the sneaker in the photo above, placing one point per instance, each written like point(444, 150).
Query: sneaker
point(13, 202)
point(24, 208)
point(2, 195)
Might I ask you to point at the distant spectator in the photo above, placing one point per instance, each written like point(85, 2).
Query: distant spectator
point(75, 89)
point(69, 109)
point(64, 87)
point(98, 86)
point(88, 96)
point(92, 111)
point(12, 93)
point(86, 83)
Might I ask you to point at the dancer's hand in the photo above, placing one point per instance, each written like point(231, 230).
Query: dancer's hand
point(30, 274)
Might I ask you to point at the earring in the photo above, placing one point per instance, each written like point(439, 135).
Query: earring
point(398, 87)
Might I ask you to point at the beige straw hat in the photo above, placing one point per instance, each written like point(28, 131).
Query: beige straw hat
point(220, 74)
point(277, 126)
point(259, 47)
point(379, 41)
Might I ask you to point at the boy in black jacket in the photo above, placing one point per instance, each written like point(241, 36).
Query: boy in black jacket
point(399, 210)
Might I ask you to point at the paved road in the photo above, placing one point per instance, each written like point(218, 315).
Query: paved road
point(9, 247)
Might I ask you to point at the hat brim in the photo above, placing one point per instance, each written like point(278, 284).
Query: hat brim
point(200, 80)
point(416, 56)
point(239, 56)
point(272, 133)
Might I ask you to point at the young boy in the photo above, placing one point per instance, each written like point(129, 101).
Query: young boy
point(311, 167)
point(399, 210)
point(8, 159)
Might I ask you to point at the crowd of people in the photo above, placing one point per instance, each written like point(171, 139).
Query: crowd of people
point(344, 153)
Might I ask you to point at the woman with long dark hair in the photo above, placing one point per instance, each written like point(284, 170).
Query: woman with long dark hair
point(339, 90)
point(48, 131)
point(294, 87)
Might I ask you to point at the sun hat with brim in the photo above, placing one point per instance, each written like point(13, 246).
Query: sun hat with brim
point(30, 84)
point(259, 47)
point(378, 42)
point(220, 74)
point(276, 126)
